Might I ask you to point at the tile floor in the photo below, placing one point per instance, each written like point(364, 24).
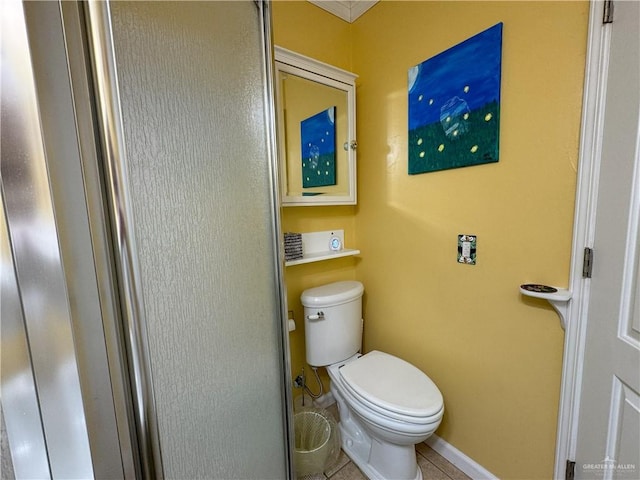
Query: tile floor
point(432, 464)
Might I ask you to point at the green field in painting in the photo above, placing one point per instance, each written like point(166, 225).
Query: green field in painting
point(431, 150)
point(321, 176)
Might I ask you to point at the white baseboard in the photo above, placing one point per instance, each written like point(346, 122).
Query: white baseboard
point(459, 459)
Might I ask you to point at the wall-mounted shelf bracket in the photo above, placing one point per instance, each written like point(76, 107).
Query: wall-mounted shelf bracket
point(557, 297)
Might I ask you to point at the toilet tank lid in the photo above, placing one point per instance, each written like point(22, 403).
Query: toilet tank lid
point(332, 294)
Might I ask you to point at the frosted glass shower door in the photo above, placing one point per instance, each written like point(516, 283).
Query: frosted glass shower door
point(198, 185)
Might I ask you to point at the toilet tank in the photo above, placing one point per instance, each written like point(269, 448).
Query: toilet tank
point(332, 322)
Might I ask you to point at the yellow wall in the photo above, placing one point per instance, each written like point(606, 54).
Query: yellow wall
point(304, 28)
point(309, 30)
point(495, 356)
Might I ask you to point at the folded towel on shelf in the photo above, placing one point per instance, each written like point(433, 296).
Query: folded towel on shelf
point(292, 246)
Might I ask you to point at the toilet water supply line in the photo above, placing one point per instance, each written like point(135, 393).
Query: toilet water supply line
point(307, 389)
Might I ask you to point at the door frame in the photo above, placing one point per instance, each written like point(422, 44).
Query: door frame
point(67, 346)
point(593, 109)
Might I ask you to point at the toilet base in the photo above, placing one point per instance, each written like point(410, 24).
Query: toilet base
point(378, 460)
point(359, 452)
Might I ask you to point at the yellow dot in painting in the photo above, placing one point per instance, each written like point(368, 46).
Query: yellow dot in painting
point(466, 89)
point(421, 154)
point(466, 116)
point(474, 149)
point(448, 119)
point(488, 117)
point(419, 141)
point(420, 98)
point(441, 147)
point(318, 172)
point(455, 133)
point(326, 173)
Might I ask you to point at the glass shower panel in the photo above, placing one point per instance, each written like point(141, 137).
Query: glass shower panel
point(192, 94)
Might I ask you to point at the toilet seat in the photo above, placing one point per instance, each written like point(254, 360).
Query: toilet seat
point(393, 388)
point(363, 406)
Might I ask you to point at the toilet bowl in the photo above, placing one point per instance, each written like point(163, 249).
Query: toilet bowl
point(386, 405)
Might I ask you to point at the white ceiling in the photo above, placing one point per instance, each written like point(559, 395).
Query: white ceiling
point(347, 10)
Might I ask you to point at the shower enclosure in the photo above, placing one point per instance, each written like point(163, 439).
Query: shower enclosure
point(143, 330)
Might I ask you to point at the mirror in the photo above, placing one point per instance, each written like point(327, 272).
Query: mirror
point(316, 126)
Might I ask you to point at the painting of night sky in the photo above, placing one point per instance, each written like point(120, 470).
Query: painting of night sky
point(318, 136)
point(454, 105)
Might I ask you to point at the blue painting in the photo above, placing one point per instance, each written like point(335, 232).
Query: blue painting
point(319, 149)
point(454, 105)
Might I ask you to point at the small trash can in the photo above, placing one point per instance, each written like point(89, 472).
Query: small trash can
point(313, 441)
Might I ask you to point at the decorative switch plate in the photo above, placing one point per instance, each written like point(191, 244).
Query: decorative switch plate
point(467, 249)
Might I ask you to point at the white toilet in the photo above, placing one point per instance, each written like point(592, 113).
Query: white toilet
point(386, 404)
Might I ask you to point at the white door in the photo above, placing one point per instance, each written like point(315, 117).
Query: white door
point(609, 422)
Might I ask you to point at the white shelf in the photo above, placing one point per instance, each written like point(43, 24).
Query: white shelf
point(560, 295)
point(315, 247)
point(318, 257)
point(559, 299)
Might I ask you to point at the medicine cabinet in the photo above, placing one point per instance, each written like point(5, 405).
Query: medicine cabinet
point(316, 129)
